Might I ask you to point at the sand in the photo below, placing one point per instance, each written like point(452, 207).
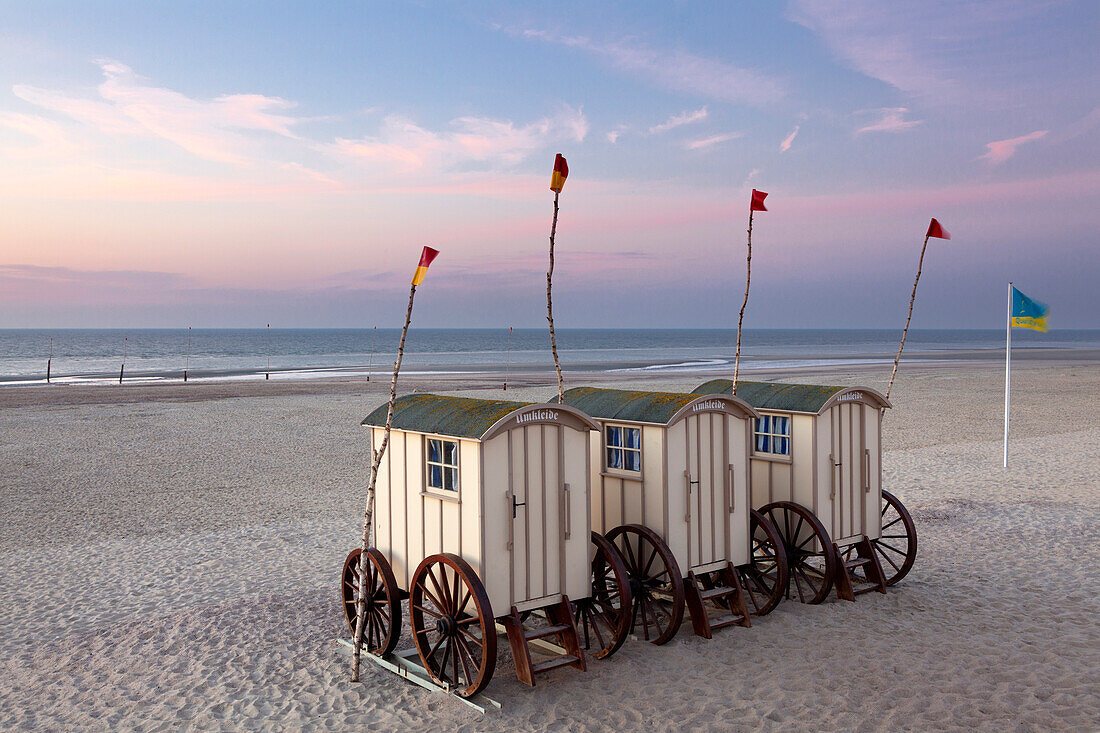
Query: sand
point(169, 560)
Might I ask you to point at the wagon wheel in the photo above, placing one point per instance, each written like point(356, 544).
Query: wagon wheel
point(383, 621)
point(811, 562)
point(452, 624)
point(603, 618)
point(897, 545)
point(656, 585)
point(765, 578)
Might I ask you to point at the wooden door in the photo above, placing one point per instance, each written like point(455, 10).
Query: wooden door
point(706, 484)
point(849, 479)
point(535, 508)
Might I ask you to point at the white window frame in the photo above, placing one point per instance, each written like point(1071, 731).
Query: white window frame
point(772, 436)
point(624, 449)
point(443, 465)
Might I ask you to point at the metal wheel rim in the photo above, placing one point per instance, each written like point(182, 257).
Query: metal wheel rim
point(383, 620)
point(765, 579)
point(452, 624)
point(897, 546)
point(604, 617)
point(657, 590)
point(810, 571)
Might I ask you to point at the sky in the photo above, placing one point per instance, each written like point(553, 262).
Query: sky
point(242, 163)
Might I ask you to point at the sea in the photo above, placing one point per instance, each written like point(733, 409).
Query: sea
point(81, 356)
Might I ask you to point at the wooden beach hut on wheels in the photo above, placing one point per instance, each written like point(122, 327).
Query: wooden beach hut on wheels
point(817, 475)
point(482, 517)
point(670, 479)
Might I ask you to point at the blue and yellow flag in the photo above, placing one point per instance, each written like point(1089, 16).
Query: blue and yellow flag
point(1028, 313)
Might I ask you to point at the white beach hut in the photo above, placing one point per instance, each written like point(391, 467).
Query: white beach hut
point(817, 473)
point(481, 514)
point(670, 479)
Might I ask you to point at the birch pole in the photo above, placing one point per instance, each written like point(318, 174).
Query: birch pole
point(368, 515)
point(905, 331)
point(557, 182)
point(934, 230)
point(756, 203)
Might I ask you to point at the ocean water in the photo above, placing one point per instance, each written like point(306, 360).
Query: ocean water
point(95, 355)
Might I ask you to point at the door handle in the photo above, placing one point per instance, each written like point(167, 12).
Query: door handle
point(510, 501)
point(687, 496)
point(568, 513)
point(866, 470)
point(730, 488)
point(832, 478)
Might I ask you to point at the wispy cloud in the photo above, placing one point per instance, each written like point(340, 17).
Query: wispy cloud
point(409, 147)
point(614, 135)
point(706, 142)
point(888, 119)
point(684, 118)
point(1001, 150)
point(127, 105)
point(786, 144)
point(676, 70)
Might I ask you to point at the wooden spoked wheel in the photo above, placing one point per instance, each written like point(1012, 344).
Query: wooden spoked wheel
point(811, 562)
point(656, 585)
point(897, 546)
point(452, 624)
point(383, 621)
point(765, 579)
point(604, 618)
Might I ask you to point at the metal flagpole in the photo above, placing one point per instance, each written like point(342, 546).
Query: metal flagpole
point(1008, 365)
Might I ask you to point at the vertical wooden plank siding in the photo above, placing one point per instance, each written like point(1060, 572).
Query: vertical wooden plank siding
point(559, 487)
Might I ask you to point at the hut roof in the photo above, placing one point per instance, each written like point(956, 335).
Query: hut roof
point(625, 404)
point(461, 417)
point(788, 397)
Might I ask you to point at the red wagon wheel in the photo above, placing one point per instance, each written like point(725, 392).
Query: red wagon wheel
point(604, 617)
point(897, 546)
point(811, 562)
point(452, 624)
point(383, 621)
point(764, 579)
point(656, 585)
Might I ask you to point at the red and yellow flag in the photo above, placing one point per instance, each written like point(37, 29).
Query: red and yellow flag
point(426, 258)
point(561, 172)
point(756, 203)
point(935, 229)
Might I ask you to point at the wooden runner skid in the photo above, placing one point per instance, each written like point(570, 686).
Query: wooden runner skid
point(867, 560)
point(406, 663)
point(561, 627)
point(728, 596)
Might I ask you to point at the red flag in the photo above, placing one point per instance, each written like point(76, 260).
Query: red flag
point(937, 231)
point(426, 258)
point(561, 172)
point(757, 202)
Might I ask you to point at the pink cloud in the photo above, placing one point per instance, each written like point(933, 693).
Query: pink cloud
point(707, 142)
point(1001, 150)
point(888, 119)
point(684, 118)
point(786, 144)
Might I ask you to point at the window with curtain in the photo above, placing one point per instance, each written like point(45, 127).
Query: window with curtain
point(623, 447)
point(443, 464)
point(772, 435)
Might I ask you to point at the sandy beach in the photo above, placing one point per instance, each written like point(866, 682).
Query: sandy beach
point(169, 560)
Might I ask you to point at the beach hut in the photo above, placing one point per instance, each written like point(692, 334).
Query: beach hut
point(482, 516)
point(817, 474)
point(670, 480)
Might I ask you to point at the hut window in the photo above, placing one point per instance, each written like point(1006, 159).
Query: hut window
point(773, 435)
point(442, 464)
point(624, 448)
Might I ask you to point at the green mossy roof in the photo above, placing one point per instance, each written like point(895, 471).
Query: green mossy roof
point(625, 404)
point(460, 417)
point(772, 396)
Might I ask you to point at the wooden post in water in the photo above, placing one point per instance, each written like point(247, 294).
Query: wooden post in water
point(268, 374)
point(187, 362)
point(508, 359)
point(49, 362)
point(426, 257)
point(370, 364)
point(123, 369)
